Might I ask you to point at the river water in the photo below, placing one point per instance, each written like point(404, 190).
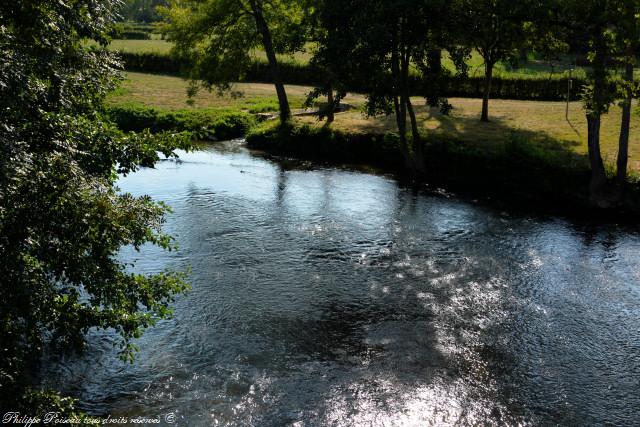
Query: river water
point(328, 297)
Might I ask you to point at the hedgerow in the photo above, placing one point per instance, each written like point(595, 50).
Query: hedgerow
point(550, 88)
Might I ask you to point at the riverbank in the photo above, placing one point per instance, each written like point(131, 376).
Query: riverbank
point(546, 124)
point(517, 173)
point(531, 154)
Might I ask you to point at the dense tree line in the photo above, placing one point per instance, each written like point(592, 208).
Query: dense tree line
point(378, 42)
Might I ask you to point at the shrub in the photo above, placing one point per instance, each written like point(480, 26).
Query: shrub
point(135, 35)
point(203, 124)
point(262, 106)
point(150, 62)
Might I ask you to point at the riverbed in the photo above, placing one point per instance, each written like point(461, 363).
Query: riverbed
point(324, 296)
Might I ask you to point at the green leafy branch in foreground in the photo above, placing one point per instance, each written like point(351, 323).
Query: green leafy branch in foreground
point(62, 219)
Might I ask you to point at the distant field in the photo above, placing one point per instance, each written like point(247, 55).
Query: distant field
point(170, 93)
point(163, 46)
point(139, 46)
point(533, 69)
point(541, 122)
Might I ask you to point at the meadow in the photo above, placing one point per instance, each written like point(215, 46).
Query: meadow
point(543, 123)
point(534, 68)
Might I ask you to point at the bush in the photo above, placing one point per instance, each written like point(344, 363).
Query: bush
point(135, 35)
point(149, 62)
point(324, 143)
point(203, 124)
point(262, 106)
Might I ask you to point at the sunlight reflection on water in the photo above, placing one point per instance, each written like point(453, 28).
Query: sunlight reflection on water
point(330, 297)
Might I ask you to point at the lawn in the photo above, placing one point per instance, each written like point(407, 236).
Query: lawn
point(541, 122)
point(170, 93)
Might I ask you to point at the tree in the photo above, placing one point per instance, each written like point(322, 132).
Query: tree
point(374, 47)
point(141, 10)
point(495, 28)
point(62, 220)
point(323, 37)
point(628, 37)
point(216, 39)
point(594, 22)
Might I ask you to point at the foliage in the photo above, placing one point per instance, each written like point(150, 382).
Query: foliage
point(543, 88)
point(141, 10)
point(131, 31)
point(62, 220)
point(324, 143)
point(215, 39)
point(261, 106)
point(496, 30)
point(134, 35)
point(201, 124)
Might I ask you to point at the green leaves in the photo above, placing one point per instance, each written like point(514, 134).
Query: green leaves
point(62, 221)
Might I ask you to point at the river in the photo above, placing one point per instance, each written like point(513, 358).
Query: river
point(330, 297)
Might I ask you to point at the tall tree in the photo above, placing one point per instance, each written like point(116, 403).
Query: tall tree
point(628, 36)
point(325, 42)
point(216, 39)
point(496, 29)
point(62, 220)
point(375, 44)
point(594, 22)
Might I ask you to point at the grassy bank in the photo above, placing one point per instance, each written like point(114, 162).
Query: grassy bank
point(517, 172)
point(541, 123)
point(530, 152)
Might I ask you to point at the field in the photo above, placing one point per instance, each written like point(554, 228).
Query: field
point(533, 69)
point(162, 46)
point(541, 122)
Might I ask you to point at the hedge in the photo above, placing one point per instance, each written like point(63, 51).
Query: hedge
point(548, 89)
point(203, 124)
point(135, 35)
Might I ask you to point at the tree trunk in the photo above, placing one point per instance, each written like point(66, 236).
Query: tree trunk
point(330, 105)
point(399, 105)
point(267, 41)
point(488, 78)
point(417, 155)
point(594, 119)
point(623, 145)
point(598, 175)
point(419, 167)
point(434, 72)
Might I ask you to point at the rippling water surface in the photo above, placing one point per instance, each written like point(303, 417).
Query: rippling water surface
point(329, 297)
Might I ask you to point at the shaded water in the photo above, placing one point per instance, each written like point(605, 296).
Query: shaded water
point(329, 297)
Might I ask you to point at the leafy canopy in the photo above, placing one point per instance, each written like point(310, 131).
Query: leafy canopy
point(62, 220)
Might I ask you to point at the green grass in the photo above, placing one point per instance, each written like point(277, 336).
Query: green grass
point(533, 69)
point(140, 46)
point(157, 45)
point(542, 123)
point(170, 93)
